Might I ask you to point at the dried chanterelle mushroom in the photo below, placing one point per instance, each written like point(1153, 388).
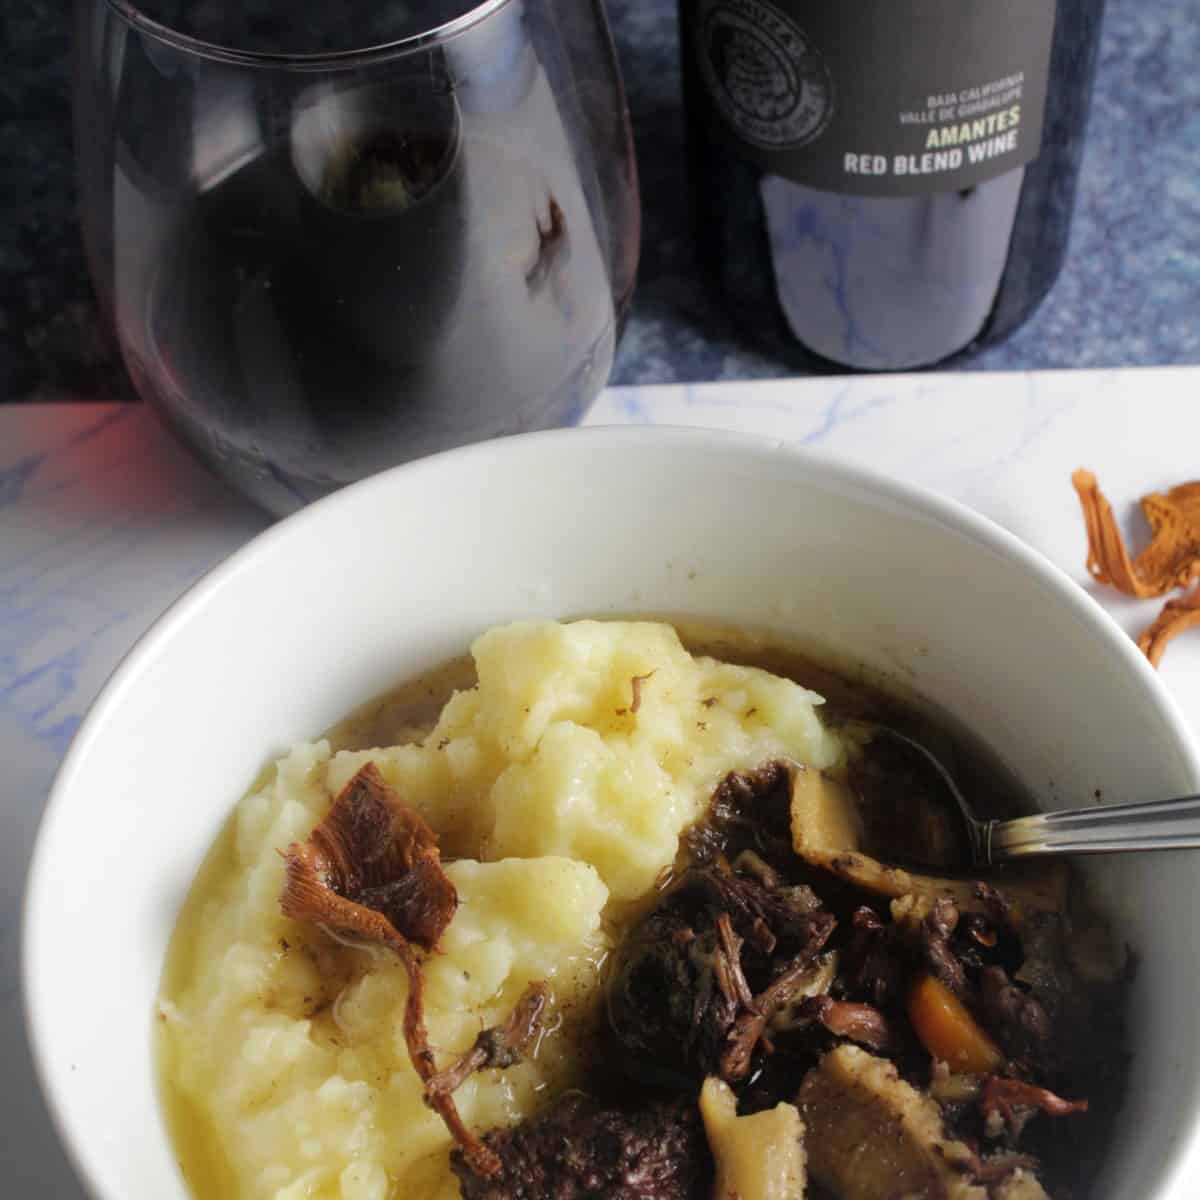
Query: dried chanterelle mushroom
point(371, 872)
point(1177, 615)
point(1170, 560)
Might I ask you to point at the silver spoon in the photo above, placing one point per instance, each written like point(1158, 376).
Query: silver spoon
point(1103, 829)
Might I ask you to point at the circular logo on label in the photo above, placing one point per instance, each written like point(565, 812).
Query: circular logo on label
point(763, 72)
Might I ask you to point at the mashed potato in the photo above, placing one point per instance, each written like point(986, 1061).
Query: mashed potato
point(548, 756)
point(561, 781)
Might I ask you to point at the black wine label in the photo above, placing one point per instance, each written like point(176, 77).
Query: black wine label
point(873, 97)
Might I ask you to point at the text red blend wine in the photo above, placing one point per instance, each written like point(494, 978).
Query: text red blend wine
point(883, 184)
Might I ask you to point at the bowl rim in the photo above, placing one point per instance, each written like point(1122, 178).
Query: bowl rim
point(823, 469)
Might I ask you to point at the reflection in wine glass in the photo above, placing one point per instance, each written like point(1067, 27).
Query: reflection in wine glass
point(334, 240)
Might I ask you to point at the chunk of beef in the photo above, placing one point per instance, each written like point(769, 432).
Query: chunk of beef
point(578, 1151)
point(749, 810)
point(933, 937)
point(791, 914)
point(696, 982)
point(1015, 1018)
point(874, 965)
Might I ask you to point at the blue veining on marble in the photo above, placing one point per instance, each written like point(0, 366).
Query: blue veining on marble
point(830, 420)
point(61, 582)
point(841, 410)
point(13, 479)
point(37, 693)
point(43, 698)
point(1041, 414)
point(108, 546)
point(58, 737)
point(634, 407)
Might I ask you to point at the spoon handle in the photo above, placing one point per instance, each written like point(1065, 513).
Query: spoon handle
point(1105, 829)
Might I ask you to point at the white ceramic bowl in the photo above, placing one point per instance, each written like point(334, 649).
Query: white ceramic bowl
point(395, 574)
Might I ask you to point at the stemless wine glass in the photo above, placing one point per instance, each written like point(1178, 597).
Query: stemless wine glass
point(332, 237)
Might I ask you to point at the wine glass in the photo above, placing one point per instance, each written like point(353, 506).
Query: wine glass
point(333, 237)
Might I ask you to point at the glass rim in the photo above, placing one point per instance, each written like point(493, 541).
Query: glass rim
point(136, 19)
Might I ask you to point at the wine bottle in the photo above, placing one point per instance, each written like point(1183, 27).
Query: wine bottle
point(884, 184)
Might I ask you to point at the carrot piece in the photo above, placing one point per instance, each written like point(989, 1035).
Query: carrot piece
point(948, 1031)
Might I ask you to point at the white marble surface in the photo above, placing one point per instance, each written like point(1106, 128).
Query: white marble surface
point(103, 522)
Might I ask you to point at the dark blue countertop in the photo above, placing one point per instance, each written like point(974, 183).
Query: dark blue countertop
point(1130, 293)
